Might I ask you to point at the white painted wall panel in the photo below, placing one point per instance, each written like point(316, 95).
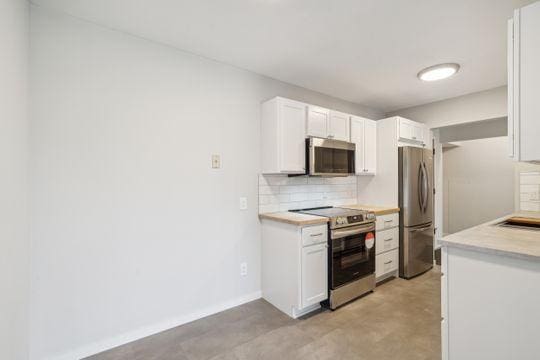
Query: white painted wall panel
point(14, 242)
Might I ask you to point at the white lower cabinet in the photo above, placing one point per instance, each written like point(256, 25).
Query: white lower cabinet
point(387, 246)
point(314, 274)
point(387, 262)
point(294, 266)
point(387, 240)
point(489, 305)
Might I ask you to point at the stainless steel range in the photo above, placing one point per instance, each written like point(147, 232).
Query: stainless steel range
point(351, 259)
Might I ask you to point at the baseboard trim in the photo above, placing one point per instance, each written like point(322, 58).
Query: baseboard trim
point(107, 344)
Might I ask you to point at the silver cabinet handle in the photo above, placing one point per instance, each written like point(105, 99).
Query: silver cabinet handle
point(313, 235)
point(389, 239)
point(388, 262)
point(388, 221)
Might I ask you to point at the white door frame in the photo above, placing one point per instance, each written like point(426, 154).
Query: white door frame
point(438, 182)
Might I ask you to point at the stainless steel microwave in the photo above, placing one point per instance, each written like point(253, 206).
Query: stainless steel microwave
point(326, 157)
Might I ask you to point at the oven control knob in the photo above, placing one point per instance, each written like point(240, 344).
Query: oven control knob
point(341, 221)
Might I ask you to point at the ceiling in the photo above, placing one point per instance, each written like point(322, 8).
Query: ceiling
point(364, 51)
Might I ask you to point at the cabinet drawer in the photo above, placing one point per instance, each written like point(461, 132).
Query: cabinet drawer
point(386, 240)
point(314, 235)
point(386, 262)
point(387, 221)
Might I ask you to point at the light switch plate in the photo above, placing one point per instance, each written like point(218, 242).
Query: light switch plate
point(243, 203)
point(216, 161)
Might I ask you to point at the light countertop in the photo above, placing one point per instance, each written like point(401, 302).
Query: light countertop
point(294, 218)
point(519, 243)
point(378, 210)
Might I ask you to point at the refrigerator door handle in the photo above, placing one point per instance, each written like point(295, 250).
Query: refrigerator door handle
point(421, 229)
point(425, 192)
point(420, 186)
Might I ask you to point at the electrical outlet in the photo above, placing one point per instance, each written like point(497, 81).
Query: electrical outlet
point(243, 203)
point(216, 162)
point(243, 269)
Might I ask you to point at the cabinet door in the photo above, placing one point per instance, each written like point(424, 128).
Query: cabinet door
point(338, 128)
point(512, 136)
point(314, 274)
point(386, 263)
point(406, 130)
point(317, 122)
point(370, 147)
point(527, 57)
point(418, 132)
point(357, 137)
point(292, 123)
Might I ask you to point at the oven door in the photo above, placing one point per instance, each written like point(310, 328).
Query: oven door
point(352, 255)
point(330, 157)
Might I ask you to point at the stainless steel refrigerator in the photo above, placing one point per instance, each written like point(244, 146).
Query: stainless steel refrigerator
point(416, 211)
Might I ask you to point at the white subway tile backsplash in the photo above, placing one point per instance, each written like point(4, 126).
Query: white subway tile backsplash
point(317, 196)
point(268, 190)
point(268, 199)
point(269, 208)
point(529, 191)
point(315, 180)
point(291, 189)
point(530, 206)
point(531, 178)
point(283, 193)
point(299, 197)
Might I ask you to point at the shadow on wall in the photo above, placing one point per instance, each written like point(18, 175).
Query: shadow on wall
point(478, 182)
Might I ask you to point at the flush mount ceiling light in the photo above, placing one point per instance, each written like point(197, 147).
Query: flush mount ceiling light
point(438, 72)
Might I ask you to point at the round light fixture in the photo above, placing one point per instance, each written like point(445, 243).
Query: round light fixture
point(438, 72)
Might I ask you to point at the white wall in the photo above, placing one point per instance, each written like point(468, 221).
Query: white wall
point(14, 244)
point(478, 106)
point(478, 183)
point(133, 231)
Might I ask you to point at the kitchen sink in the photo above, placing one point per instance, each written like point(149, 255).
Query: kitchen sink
point(521, 223)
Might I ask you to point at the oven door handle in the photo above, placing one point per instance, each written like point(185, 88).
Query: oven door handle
point(341, 233)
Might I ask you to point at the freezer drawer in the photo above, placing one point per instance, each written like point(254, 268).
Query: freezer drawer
point(416, 250)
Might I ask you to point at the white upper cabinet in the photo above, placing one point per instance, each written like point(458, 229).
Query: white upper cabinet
point(370, 146)
point(328, 124)
point(524, 83)
point(412, 133)
point(317, 121)
point(283, 134)
point(338, 126)
point(364, 135)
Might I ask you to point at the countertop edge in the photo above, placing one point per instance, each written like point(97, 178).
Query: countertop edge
point(378, 210)
point(320, 220)
point(490, 250)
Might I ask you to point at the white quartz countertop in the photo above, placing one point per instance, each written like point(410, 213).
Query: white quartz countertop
point(498, 240)
point(294, 218)
point(378, 210)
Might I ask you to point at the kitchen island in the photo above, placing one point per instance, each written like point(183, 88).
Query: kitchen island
point(490, 292)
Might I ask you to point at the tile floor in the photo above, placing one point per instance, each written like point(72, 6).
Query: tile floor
point(400, 320)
